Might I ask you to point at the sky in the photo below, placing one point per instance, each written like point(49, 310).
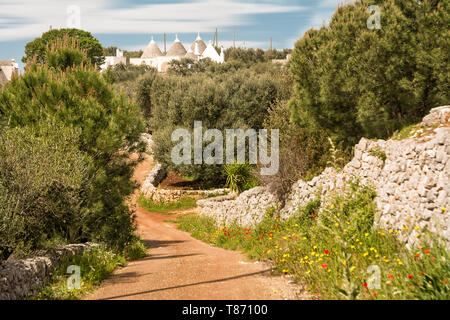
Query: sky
point(130, 24)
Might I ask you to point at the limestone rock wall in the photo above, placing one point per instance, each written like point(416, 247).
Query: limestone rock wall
point(24, 277)
point(247, 209)
point(411, 178)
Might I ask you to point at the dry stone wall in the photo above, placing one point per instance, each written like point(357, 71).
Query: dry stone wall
point(25, 277)
point(411, 177)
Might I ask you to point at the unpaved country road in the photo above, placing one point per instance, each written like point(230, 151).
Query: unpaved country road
point(180, 267)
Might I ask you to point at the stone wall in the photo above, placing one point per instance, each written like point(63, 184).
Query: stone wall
point(25, 277)
point(412, 183)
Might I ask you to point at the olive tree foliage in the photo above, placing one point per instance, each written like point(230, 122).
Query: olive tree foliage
point(355, 81)
point(106, 126)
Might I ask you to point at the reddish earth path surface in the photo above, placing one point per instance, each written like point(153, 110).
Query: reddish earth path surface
point(180, 267)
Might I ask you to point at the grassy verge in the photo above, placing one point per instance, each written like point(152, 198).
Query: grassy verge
point(95, 266)
point(167, 208)
point(338, 254)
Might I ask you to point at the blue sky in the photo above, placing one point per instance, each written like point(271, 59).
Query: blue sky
point(129, 24)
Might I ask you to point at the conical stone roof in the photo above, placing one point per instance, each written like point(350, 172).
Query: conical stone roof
point(177, 49)
point(152, 51)
point(201, 45)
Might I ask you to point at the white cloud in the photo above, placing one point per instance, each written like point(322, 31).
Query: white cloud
point(29, 18)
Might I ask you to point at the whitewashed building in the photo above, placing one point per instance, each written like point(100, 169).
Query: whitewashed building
point(8, 69)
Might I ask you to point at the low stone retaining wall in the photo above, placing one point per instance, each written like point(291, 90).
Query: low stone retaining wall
point(25, 277)
point(411, 178)
point(247, 209)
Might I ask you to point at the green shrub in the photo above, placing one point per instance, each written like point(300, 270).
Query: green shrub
point(237, 100)
point(108, 128)
point(38, 48)
point(303, 153)
point(379, 153)
point(42, 178)
point(161, 207)
point(338, 252)
point(239, 177)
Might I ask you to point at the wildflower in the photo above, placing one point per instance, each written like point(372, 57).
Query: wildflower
point(327, 252)
point(410, 276)
point(427, 252)
point(444, 209)
point(324, 266)
point(391, 276)
point(374, 294)
point(365, 254)
point(445, 281)
point(352, 268)
point(416, 255)
point(365, 285)
point(366, 234)
point(432, 259)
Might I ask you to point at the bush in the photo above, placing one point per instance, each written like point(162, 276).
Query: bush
point(42, 177)
point(239, 100)
point(354, 82)
point(38, 48)
point(109, 128)
point(303, 153)
point(135, 250)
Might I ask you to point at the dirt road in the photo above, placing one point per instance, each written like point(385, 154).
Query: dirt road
point(180, 267)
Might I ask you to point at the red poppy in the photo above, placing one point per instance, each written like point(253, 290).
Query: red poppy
point(391, 276)
point(314, 215)
point(432, 259)
point(416, 255)
point(278, 218)
point(421, 273)
point(365, 285)
point(410, 276)
point(324, 266)
point(296, 237)
point(427, 251)
point(445, 281)
point(326, 252)
point(374, 294)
